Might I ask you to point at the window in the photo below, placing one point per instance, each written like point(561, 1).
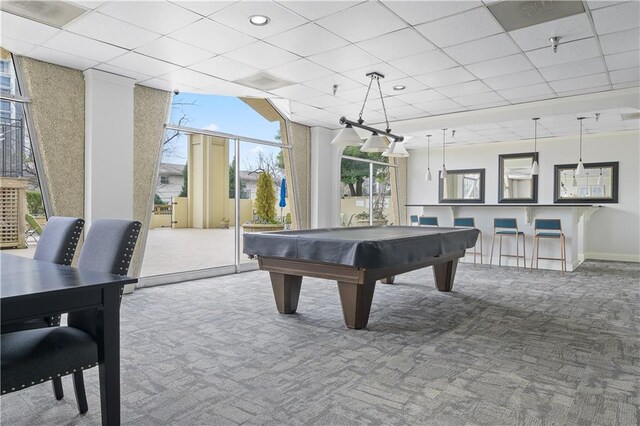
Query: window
point(164, 180)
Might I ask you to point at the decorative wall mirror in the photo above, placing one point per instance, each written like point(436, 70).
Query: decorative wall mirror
point(516, 183)
point(462, 186)
point(598, 183)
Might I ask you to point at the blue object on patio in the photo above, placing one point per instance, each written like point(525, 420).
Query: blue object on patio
point(283, 193)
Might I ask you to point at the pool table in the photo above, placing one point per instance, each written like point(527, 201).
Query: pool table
point(356, 258)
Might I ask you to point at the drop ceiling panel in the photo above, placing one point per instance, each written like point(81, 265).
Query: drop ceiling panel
point(446, 77)
point(297, 92)
point(212, 36)
point(363, 21)
point(495, 67)
point(573, 69)
point(439, 105)
point(421, 97)
point(579, 82)
point(85, 47)
point(204, 8)
point(159, 17)
point(617, 18)
point(300, 70)
point(625, 76)
point(313, 10)
point(537, 91)
point(623, 60)
point(466, 26)
point(306, 40)
point(143, 64)
point(462, 89)
point(124, 72)
point(525, 78)
point(411, 85)
point(621, 41)
point(237, 17)
point(110, 30)
point(190, 77)
point(479, 99)
point(25, 30)
point(568, 29)
point(174, 51)
point(18, 47)
point(344, 58)
point(398, 44)
point(415, 12)
point(225, 68)
point(60, 58)
point(492, 47)
point(389, 72)
point(404, 112)
point(584, 91)
point(326, 84)
point(424, 63)
point(569, 52)
point(158, 83)
point(261, 55)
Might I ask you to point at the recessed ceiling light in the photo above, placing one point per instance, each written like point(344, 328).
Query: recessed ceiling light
point(259, 20)
point(399, 87)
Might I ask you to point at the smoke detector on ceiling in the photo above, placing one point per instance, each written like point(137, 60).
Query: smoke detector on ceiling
point(513, 15)
point(54, 13)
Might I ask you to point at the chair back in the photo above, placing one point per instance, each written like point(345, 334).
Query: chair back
point(413, 218)
point(33, 223)
point(428, 221)
point(506, 223)
point(548, 225)
point(108, 247)
point(464, 222)
point(59, 240)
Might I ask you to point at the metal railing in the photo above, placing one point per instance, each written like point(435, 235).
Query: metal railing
point(11, 147)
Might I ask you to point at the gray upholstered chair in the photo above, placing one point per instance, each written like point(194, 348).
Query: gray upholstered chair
point(57, 244)
point(31, 357)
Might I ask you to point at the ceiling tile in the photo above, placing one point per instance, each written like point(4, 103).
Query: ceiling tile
point(577, 83)
point(623, 60)
point(525, 78)
point(423, 63)
point(89, 4)
point(573, 69)
point(158, 16)
point(174, 51)
point(25, 30)
point(212, 36)
point(189, 77)
point(420, 97)
point(625, 76)
point(442, 104)
point(415, 12)
point(492, 47)
point(466, 26)
point(468, 88)
point(362, 22)
point(85, 47)
point(300, 71)
point(528, 92)
point(569, 52)
point(313, 10)
point(324, 101)
point(446, 77)
point(306, 40)
point(325, 84)
point(411, 85)
point(360, 74)
point(225, 88)
point(357, 94)
point(479, 99)
point(593, 5)
point(297, 92)
point(584, 91)
point(123, 72)
point(625, 85)
point(398, 44)
point(158, 83)
point(143, 64)
point(495, 67)
point(404, 112)
point(344, 58)
point(617, 18)
point(237, 16)
point(224, 68)
point(18, 47)
point(61, 58)
point(620, 42)
point(261, 55)
point(105, 28)
point(204, 8)
point(571, 28)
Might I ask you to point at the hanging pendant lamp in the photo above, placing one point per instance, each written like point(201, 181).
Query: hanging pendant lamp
point(396, 149)
point(535, 169)
point(428, 175)
point(580, 168)
point(443, 175)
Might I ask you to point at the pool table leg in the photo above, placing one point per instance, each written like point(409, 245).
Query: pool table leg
point(444, 273)
point(286, 290)
point(356, 303)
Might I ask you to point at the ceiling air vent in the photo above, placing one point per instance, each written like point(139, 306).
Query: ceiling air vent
point(631, 116)
point(513, 15)
point(263, 81)
point(54, 13)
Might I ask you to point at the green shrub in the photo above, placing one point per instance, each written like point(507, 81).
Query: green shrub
point(265, 203)
point(34, 203)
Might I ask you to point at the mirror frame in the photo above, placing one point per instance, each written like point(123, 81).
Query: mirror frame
point(558, 168)
point(457, 200)
point(534, 184)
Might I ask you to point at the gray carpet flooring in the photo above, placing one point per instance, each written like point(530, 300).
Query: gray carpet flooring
point(505, 347)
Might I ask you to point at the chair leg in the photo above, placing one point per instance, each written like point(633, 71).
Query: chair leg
point(517, 251)
point(57, 388)
point(524, 250)
point(500, 255)
point(481, 261)
point(533, 251)
point(493, 241)
point(563, 254)
point(538, 255)
point(81, 396)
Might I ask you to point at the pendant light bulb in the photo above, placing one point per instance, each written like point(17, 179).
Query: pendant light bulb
point(444, 172)
point(535, 169)
point(428, 177)
point(580, 168)
point(375, 143)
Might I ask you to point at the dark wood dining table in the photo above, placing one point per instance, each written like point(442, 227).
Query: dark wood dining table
point(32, 289)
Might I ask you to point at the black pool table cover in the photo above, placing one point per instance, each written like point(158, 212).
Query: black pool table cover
point(363, 247)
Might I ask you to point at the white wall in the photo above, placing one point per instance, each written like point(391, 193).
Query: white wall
point(108, 146)
point(613, 232)
point(325, 179)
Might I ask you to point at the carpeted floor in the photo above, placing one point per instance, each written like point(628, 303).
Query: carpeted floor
point(505, 347)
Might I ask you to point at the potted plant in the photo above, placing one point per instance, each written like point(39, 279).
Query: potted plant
point(265, 206)
point(379, 219)
point(224, 223)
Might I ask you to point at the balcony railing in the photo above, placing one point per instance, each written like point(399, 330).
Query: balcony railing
point(11, 147)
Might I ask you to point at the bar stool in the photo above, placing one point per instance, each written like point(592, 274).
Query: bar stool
point(414, 220)
point(428, 221)
point(469, 222)
point(550, 228)
point(507, 227)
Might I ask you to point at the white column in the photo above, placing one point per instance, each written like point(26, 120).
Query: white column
point(108, 146)
point(325, 179)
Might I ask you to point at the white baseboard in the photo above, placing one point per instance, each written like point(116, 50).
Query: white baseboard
point(613, 256)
